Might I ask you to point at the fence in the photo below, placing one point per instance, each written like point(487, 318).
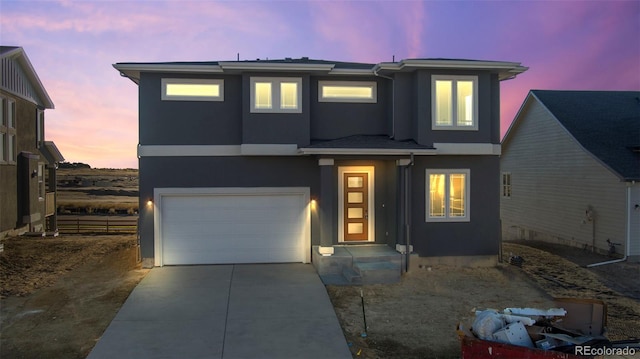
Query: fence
point(97, 224)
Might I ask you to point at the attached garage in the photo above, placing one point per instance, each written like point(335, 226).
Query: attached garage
point(231, 225)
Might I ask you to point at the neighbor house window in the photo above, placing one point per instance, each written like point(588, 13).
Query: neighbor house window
point(347, 91)
point(447, 195)
point(454, 102)
point(506, 184)
point(192, 90)
point(39, 127)
point(7, 130)
point(270, 94)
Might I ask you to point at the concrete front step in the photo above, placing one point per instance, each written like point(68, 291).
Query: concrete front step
point(379, 272)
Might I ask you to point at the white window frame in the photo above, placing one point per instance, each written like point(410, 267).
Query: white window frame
point(170, 81)
point(366, 84)
point(8, 133)
point(454, 79)
point(467, 198)
point(275, 94)
point(505, 183)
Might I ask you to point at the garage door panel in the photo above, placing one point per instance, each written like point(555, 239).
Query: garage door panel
point(233, 228)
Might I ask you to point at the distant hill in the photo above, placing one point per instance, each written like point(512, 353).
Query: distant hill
point(74, 165)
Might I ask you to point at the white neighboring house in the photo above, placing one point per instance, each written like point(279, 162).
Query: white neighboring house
point(570, 169)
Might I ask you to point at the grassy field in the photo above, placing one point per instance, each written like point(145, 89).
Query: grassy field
point(98, 191)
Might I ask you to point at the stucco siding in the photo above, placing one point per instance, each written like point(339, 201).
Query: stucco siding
point(634, 222)
point(554, 183)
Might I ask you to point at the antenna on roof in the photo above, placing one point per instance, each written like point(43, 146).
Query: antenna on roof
point(238, 57)
point(393, 58)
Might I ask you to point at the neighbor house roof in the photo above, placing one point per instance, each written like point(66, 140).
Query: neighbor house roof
point(132, 70)
point(604, 123)
point(34, 91)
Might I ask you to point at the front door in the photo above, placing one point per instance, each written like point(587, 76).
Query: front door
point(355, 206)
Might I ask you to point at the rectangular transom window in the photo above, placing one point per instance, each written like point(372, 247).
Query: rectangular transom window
point(454, 102)
point(192, 89)
point(447, 195)
point(276, 94)
point(347, 91)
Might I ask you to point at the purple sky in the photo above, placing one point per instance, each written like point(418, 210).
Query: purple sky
point(568, 45)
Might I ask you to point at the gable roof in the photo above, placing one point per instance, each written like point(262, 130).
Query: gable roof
point(16, 68)
point(604, 123)
point(132, 70)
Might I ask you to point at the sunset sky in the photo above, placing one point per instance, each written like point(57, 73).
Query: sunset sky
point(568, 45)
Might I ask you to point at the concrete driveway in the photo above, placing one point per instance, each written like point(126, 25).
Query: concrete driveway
point(226, 311)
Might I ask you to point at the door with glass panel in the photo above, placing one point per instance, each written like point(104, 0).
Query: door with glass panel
point(356, 206)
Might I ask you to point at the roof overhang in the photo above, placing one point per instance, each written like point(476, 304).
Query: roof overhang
point(232, 66)
point(367, 151)
point(20, 56)
point(505, 70)
point(133, 70)
point(51, 153)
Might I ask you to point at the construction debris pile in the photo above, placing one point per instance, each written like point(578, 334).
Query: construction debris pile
point(574, 325)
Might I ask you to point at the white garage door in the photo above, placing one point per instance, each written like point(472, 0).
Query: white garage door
point(242, 225)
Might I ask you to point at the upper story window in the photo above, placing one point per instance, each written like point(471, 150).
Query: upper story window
point(276, 94)
point(7, 130)
point(447, 195)
point(347, 91)
point(192, 90)
point(454, 102)
point(39, 127)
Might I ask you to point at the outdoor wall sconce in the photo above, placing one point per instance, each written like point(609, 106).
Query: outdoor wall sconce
point(149, 203)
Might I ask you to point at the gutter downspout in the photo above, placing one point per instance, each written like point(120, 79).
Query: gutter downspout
point(393, 101)
point(628, 242)
point(407, 210)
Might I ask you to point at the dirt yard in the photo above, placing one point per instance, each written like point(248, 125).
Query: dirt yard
point(417, 318)
point(60, 294)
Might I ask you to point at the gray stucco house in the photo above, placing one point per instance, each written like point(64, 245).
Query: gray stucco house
point(571, 170)
point(271, 160)
point(27, 162)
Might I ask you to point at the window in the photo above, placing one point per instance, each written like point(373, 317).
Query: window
point(192, 90)
point(7, 130)
point(506, 184)
point(347, 91)
point(39, 127)
point(454, 102)
point(447, 195)
point(270, 94)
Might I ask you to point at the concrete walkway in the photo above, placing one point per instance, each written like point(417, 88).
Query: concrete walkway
point(226, 311)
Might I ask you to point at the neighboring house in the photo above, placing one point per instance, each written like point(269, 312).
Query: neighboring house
point(570, 170)
point(267, 160)
point(27, 162)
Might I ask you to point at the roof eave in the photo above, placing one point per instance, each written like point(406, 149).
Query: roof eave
point(31, 73)
point(367, 151)
point(268, 66)
point(505, 70)
point(132, 71)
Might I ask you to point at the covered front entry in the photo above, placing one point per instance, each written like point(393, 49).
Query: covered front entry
point(356, 210)
point(232, 225)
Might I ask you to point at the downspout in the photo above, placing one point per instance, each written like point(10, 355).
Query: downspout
point(393, 101)
point(407, 211)
point(628, 241)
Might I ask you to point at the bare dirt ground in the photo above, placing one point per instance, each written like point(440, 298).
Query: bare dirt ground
point(417, 317)
point(58, 295)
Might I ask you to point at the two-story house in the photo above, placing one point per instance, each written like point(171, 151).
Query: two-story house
point(27, 162)
point(271, 160)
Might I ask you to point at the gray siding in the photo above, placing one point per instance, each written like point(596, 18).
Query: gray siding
point(634, 224)
point(189, 122)
point(275, 128)
point(554, 181)
point(331, 120)
point(479, 236)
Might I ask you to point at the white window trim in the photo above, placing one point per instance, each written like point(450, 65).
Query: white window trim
point(275, 94)
point(454, 78)
point(8, 129)
point(467, 197)
point(168, 81)
point(368, 84)
point(503, 186)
